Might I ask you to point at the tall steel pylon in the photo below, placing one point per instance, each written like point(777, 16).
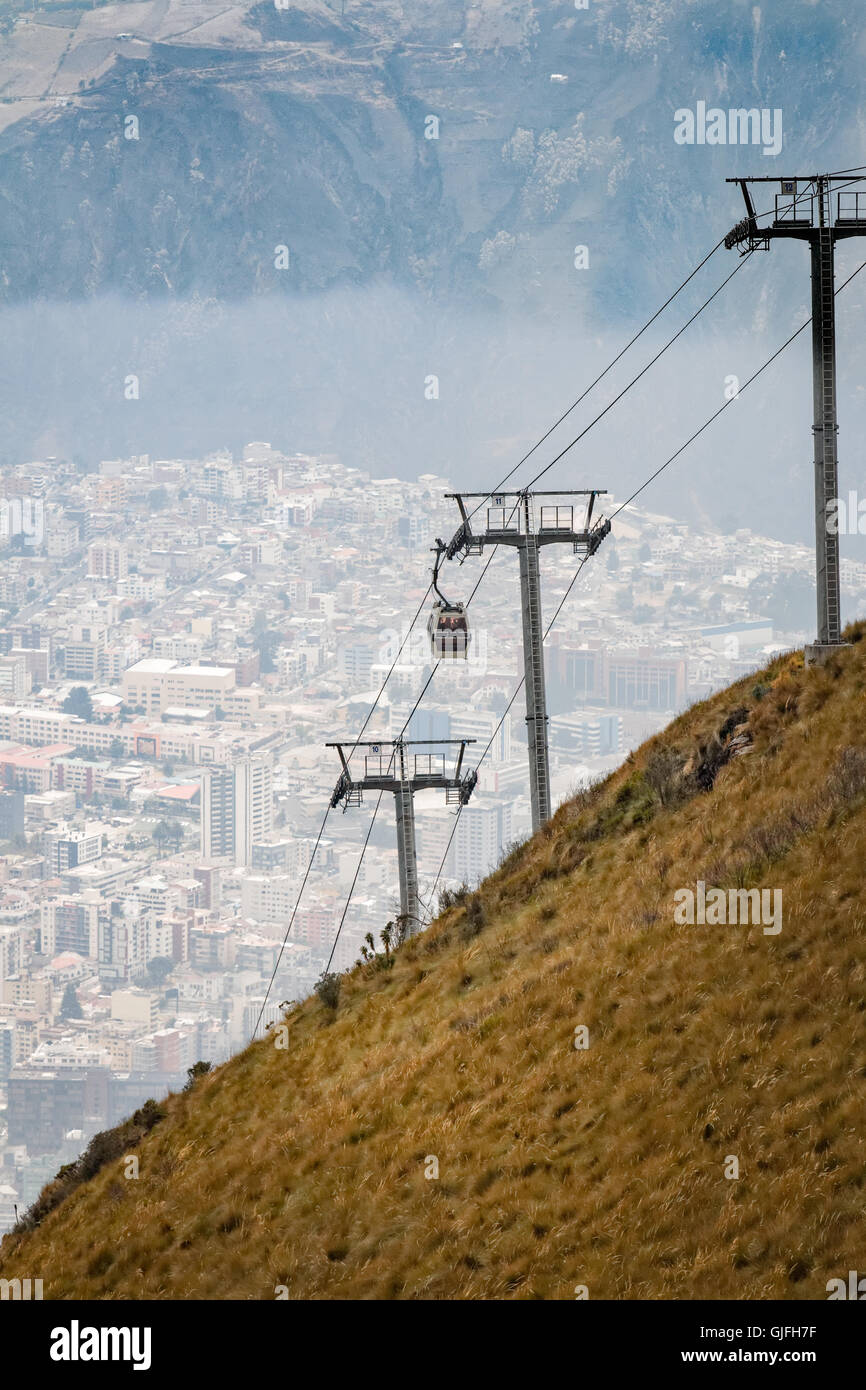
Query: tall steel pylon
point(513, 522)
point(816, 210)
point(390, 767)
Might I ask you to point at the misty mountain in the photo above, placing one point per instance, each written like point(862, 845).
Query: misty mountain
point(284, 222)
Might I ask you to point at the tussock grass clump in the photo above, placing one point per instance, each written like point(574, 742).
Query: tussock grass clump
point(474, 919)
point(847, 777)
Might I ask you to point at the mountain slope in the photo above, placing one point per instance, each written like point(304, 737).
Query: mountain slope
point(306, 125)
point(557, 1166)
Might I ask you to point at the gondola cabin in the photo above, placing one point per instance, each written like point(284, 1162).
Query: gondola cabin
point(448, 629)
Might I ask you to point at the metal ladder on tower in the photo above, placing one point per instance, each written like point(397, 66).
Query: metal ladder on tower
point(537, 672)
point(537, 719)
point(830, 480)
point(406, 843)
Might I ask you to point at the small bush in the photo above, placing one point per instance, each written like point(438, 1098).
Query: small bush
point(663, 774)
point(328, 989)
point(475, 919)
point(737, 717)
point(392, 937)
point(772, 840)
point(195, 1071)
point(453, 897)
point(513, 853)
point(586, 797)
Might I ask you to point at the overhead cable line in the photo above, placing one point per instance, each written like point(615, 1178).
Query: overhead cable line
point(613, 362)
point(618, 397)
point(328, 809)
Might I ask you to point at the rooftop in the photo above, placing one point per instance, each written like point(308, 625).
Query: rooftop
point(155, 665)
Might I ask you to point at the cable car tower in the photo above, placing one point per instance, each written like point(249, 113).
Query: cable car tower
point(390, 767)
point(511, 520)
point(816, 210)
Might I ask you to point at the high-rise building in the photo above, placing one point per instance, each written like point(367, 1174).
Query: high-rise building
point(15, 679)
point(209, 877)
point(237, 805)
point(355, 660)
point(592, 736)
point(483, 832)
point(12, 943)
point(72, 924)
point(66, 847)
point(11, 814)
point(107, 559)
point(83, 652)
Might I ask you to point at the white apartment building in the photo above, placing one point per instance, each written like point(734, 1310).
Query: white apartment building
point(12, 940)
point(83, 652)
point(136, 1006)
point(38, 727)
point(68, 847)
point(71, 923)
point(482, 834)
point(107, 559)
point(237, 809)
point(181, 646)
point(143, 587)
point(156, 684)
point(15, 678)
point(155, 894)
point(269, 897)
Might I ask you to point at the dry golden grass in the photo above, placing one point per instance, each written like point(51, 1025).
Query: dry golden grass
point(557, 1167)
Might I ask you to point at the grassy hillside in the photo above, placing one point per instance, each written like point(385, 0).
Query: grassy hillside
point(557, 1166)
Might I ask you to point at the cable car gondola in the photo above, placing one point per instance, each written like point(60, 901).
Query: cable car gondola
point(448, 625)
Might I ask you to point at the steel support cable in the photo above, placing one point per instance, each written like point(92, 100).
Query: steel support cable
point(787, 207)
point(592, 385)
point(279, 958)
point(627, 502)
point(643, 371)
point(355, 879)
point(328, 809)
point(724, 406)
